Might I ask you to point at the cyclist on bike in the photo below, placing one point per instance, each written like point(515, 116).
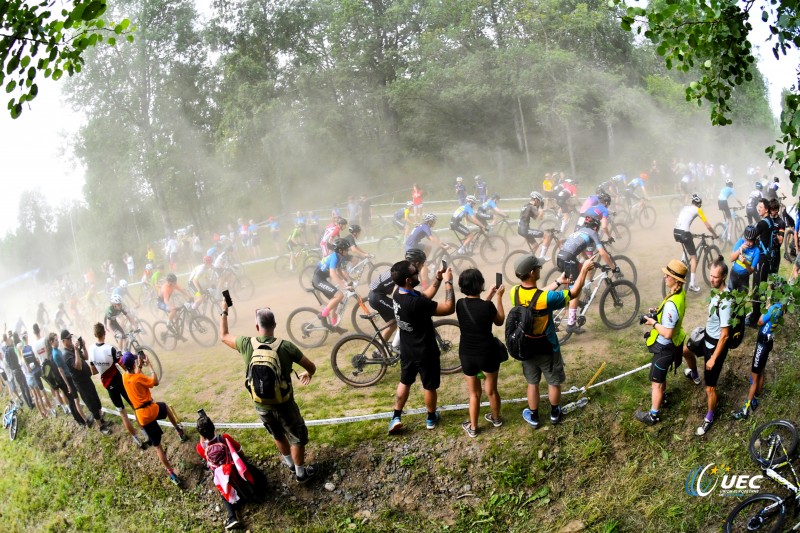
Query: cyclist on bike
point(418, 234)
point(752, 201)
point(488, 210)
point(355, 231)
point(147, 273)
point(62, 319)
point(296, 241)
point(566, 193)
point(745, 258)
point(596, 206)
point(381, 290)
point(466, 211)
point(723, 202)
point(682, 234)
point(165, 301)
point(115, 309)
point(683, 187)
point(200, 272)
point(583, 241)
point(122, 290)
point(401, 218)
point(636, 191)
point(331, 279)
point(332, 232)
point(533, 210)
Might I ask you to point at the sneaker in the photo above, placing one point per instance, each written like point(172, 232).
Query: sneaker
point(702, 430)
point(431, 424)
point(741, 414)
point(754, 404)
point(467, 427)
point(646, 417)
point(693, 288)
point(90, 422)
point(65, 409)
point(555, 419)
point(395, 425)
point(311, 471)
point(232, 523)
point(182, 435)
point(528, 416)
point(324, 320)
point(688, 373)
point(495, 422)
point(572, 328)
point(290, 468)
point(175, 479)
point(105, 429)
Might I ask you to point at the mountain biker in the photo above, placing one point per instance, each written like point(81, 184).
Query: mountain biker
point(566, 192)
point(115, 309)
point(122, 290)
point(489, 209)
point(421, 232)
point(745, 258)
point(402, 218)
point(533, 210)
point(165, 301)
point(355, 231)
point(296, 241)
point(723, 203)
point(466, 211)
point(596, 206)
point(682, 234)
point(637, 191)
point(200, 272)
point(331, 279)
point(584, 240)
point(752, 201)
point(382, 288)
point(332, 232)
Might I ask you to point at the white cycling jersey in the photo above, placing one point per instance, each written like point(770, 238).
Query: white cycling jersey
point(687, 216)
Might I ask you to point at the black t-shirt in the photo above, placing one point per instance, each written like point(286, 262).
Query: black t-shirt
point(529, 211)
point(413, 313)
point(475, 318)
point(84, 374)
point(778, 229)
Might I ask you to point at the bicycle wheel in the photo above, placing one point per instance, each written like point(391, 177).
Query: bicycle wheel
point(647, 216)
point(621, 234)
point(311, 258)
point(460, 263)
point(306, 275)
point(759, 442)
point(150, 354)
point(203, 330)
point(146, 335)
point(13, 426)
point(626, 267)
point(560, 324)
point(709, 256)
point(389, 245)
point(305, 328)
point(215, 310)
point(493, 249)
point(448, 335)
point(760, 512)
point(509, 273)
point(282, 266)
point(243, 288)
point(552, 275)
point(358, 360)
point(619, 304)
point(164, 337)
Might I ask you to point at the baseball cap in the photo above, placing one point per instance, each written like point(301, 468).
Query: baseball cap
point(65, 334)
point(128, 360)
point(525, 265)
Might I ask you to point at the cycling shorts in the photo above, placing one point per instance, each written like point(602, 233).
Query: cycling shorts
point(164, 306)
point(483, 216)
point(459, 228)
point(323, 285)
point(194, 289)
point(568, 264)
point(383, 304)
point(723, 206)
point(113, 324)
point(686, 239)
point(530, 235)
point(761, 353)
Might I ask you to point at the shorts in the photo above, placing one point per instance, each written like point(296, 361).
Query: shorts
point(551, 365)
point(483, 215)
point(285, 421)
point(194, 289)
point(163, 306)
point(723, 206)
point(114, 325)
point(459, 228)
point(489, 364)
point(761, 353)
point(710, 376)
point(569, 266)
point(686, 239)
point(383, 305)
point(530, 235)
point(116, 391)
point(429, 371)
point(152, 429)
point(663, 355)
point(323, 285)
point(36, 375)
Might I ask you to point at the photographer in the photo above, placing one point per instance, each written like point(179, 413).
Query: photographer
point(77, 362)
point(665, 339)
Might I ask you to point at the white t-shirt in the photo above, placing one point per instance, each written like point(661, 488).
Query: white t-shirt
point(40, 350)
point(669, 319)
point(717, 321)
point(687, 216)
point(102, 357)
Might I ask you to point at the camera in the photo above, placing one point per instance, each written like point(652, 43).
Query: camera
point(643, 318)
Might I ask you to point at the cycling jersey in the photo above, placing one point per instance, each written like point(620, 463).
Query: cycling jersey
point(104, 358)
point(583, 240)
point(352, 240)
point(593, 207)
point(726, 193)
point(750, 258)
point(770, 319)
point(199, 272)
point(331, 232)
point(383, 284)
point(112, 314)
point(401, 214)
point(119, 291)
point(753, 198)
point(422, 231)
point(330, 261)
point(463, 211)
point(489, 204)
point(165, 292)
point(529, 212)
point(636, 183)
point(687, 216)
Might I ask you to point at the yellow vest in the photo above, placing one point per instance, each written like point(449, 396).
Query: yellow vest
point(678, 335)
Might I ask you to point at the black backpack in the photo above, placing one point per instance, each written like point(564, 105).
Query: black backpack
point(521, 342)
point(51, 375)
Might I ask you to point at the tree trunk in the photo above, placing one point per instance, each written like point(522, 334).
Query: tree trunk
point(524, 133)
point(569, 147)
point(611, 143)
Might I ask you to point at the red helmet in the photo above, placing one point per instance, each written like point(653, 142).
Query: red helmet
point(207, 259)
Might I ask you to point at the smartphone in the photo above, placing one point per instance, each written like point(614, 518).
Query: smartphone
point(498, 279)
point(227, 295)
point(444, 265)
point(201, 413)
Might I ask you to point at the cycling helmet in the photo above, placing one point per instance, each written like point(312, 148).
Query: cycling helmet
point(619, 177)
point(415, 255)
point(604, 198)
point(696, 200)
point(537, 196)
point(409, 203)
point(148, 266)
point(471, 199)
point(123, 283)
point(591, 222)
point(172, 278)
point(355, 228)
point(759, 185)
point(750, 233)
point(341, 244)
point(207, 259)
point(599, 189)
point(341, 221)
point(495, 197)
point(729, 182)
point(429, 217)
point(478, 177)
point(644, 176)
point(116, 299)
point(459, 179)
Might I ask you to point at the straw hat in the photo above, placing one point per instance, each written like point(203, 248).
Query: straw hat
point(676, 270)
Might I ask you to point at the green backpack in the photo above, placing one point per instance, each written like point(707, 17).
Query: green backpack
point(265, 381)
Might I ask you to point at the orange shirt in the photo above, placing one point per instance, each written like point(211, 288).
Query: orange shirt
point(166, 291)
point(138, 388)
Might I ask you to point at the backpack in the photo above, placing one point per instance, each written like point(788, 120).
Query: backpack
point(737, 332)
point(525, 329)
point(265, 380)
point(50, 374)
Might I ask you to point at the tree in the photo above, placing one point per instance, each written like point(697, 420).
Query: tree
point(711, 38)
point(34, 40)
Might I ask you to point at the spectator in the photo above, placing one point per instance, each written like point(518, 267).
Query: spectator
point(419, 351)
point(33, 375)
point(545, 352)
point(148, 412)
point(15, 370)
point(281, 419)
point(665, 340)
point(461, 191)
point(234, 476)
point(40, 348)
point(365, 208)
point(77, 363)
point(171, 252)
point(129, 264)
point(714, 345)
point(416, 200)
point(479, 350)
point(62, 380)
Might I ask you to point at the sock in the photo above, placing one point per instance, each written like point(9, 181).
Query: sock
point(747, 405)
point(396, 341)
point(573, 314)
point(287, 460)
point(654, 413)
point(397, 413)
point(691, 279)
point(325, 312)
point(541, 251)
point(710, 416)
point(534, 413)
point(299, 470)
point(432, 416)
point(554, 410)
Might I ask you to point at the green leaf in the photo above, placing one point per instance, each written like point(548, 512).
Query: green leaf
point(93, 10)
point(111, 41)
point(11, 86)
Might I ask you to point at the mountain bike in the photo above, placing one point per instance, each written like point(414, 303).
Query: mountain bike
point(620, 232)
point(619, 302)
point(307, 255)
point(202, 329)
point(305, 327)
point(361, 360)
point(142, 350)
point(706, 254)
point(230, 278)
point(10, 419)
point(731, 230)
point(492, 248)
point(211, 306)
point(510, 261)
point(771, 446)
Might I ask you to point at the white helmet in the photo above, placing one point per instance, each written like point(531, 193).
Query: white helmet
point(123, 283)
point(116, 299)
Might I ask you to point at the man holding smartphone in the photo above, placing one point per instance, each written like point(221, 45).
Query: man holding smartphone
point(77, 361)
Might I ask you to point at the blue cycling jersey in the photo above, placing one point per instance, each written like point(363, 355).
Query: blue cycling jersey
point(330, 261)
point(489, 204)
point(417, 234)
point(726, 193)
point(771, 318)
point(462, 211)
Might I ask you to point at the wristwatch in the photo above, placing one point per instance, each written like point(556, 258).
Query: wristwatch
point(224, 313)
